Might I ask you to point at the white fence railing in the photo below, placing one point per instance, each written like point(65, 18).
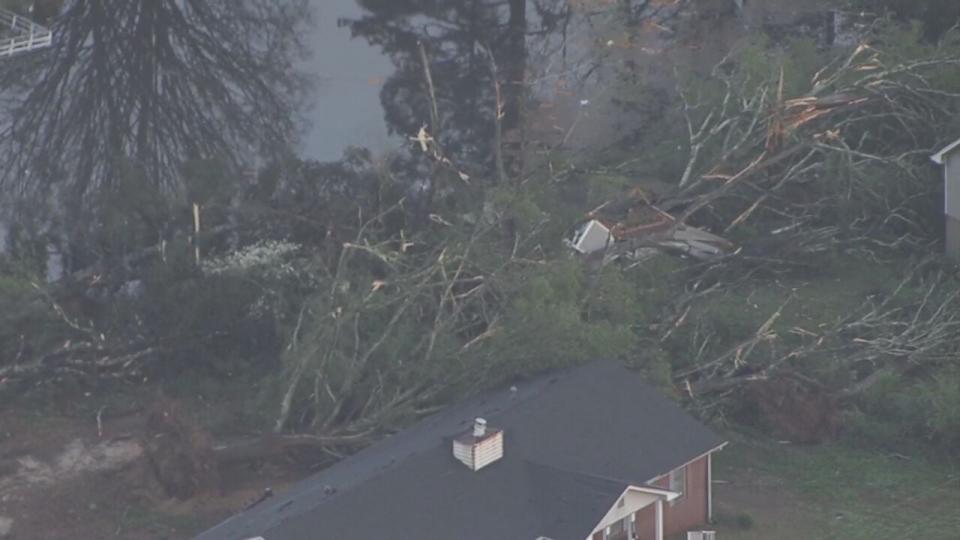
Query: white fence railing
point(26, 34)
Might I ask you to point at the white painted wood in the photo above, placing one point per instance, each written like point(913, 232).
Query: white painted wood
point(463, 452)
point(709, 488)
point(938, 158)
point(951, 173)
point(477, 453)
point(949, 158)
point(26, 35)
point(659, 519)
point(632, 503)
point(656, 479)
point(635, 498)
point(488, 450)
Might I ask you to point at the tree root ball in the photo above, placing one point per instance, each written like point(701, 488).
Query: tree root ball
point(796, 411)
point(179, 451)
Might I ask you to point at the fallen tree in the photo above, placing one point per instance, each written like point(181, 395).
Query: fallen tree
point(840, 168)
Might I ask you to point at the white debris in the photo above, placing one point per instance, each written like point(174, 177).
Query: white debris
point(6, 527)
point(590, 237)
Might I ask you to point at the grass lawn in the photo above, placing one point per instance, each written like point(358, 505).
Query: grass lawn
point(767, 490)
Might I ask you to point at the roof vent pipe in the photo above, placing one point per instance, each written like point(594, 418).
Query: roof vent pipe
point(479, 427)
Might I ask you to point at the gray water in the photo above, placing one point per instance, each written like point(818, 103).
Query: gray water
point(350, 72)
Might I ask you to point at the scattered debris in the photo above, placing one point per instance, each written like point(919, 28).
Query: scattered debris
point(590, 237)
point(643, 226)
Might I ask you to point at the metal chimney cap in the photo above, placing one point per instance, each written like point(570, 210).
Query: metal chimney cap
point(479, 427)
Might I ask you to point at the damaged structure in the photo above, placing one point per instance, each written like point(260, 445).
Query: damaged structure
point(632, 225)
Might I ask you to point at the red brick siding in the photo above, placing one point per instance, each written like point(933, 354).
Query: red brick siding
point(646, 526)
point(688, 512)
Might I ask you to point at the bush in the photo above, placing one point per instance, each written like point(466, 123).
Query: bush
point(28, 322)
point(941, 398)
point(896, 410)
point(545, 324)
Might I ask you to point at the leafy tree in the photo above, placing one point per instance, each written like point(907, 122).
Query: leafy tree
point(459, 38)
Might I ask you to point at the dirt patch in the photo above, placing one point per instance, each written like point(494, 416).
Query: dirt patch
point(67, 467)
point(64, 475)
point(76, 459)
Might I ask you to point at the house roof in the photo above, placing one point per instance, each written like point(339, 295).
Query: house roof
point(949, 149)
point(574, 440)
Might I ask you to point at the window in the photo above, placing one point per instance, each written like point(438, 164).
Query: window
point(678, 482)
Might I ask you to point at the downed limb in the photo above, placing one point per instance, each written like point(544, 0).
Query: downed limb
point(890, 335)
point(857, 136)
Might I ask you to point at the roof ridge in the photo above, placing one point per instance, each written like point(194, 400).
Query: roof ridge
point(938, 157)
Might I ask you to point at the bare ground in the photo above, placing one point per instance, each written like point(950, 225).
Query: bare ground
point(66, 477)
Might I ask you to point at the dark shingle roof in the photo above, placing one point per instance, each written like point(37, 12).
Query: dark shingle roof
point(573, 441)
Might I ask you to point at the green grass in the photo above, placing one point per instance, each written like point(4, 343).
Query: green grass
point(838, 492)
point(143, 518)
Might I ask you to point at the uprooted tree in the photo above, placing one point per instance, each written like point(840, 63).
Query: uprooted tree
point(836, 163)
point(380, 308)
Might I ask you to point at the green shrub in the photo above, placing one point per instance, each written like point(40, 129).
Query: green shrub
point(896, 410)
point(28, 322)
point(941, 398)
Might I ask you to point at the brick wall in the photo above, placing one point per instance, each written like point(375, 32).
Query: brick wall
point(688, 512)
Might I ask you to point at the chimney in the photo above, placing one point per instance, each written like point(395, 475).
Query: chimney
point(480, 447)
